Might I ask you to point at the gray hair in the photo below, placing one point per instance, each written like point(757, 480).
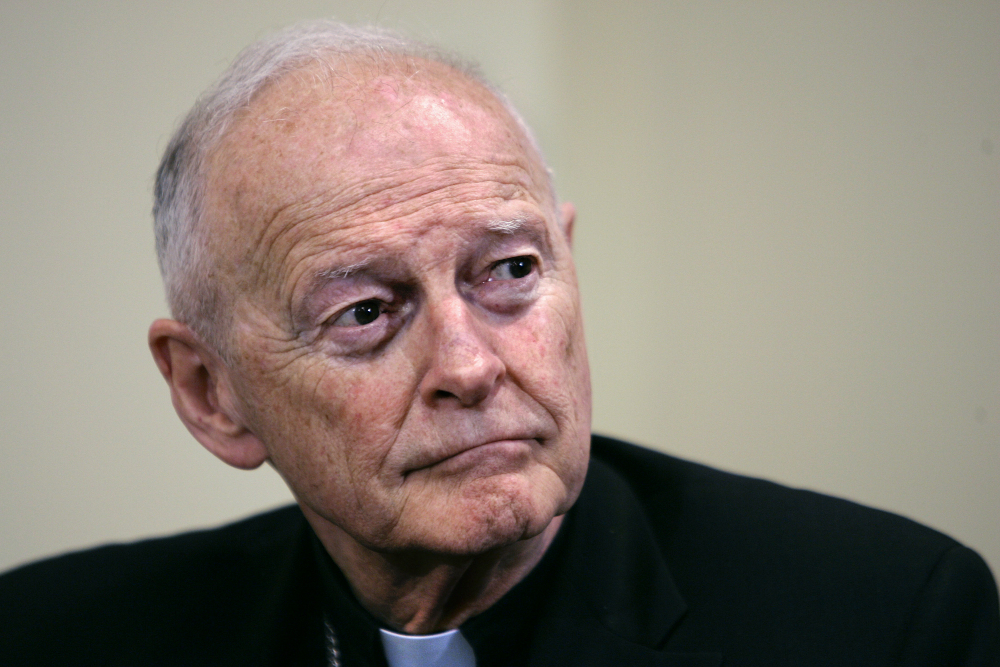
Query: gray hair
point(185, 266)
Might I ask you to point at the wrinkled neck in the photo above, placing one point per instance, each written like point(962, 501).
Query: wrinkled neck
point(421, 593)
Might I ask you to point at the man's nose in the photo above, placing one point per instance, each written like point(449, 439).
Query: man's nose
point(464, 366)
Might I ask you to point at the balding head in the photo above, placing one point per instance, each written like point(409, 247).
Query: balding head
point(314, 59)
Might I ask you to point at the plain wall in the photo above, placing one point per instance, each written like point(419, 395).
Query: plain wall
point(788, 242)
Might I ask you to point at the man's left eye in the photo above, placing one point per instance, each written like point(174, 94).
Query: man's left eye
point(360, 314)
point(512, 268)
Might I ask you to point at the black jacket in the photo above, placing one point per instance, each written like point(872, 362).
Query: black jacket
point(662, 562)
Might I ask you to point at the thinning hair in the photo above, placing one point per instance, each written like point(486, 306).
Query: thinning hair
point(193, 295)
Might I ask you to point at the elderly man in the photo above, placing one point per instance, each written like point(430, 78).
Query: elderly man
point(373, 292)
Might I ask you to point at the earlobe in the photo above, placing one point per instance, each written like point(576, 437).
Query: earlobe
point(202, 396)
point(568, 214)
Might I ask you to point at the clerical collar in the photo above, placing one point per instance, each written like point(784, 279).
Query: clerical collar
point(444, 649)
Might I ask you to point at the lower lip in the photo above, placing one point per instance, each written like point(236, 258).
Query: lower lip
point(492, 458)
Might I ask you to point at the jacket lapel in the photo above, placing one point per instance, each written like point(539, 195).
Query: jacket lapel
point(614, 601)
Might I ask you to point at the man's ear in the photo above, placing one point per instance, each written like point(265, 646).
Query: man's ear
point(202, 395)
point(568, 213)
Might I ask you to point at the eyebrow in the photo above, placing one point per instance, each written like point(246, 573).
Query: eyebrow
point(339, 272)
point(506, 226)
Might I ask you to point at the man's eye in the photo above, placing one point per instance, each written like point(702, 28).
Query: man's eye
point(360, 314)
point(512, 269)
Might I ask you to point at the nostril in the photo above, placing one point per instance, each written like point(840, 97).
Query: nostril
point(441, 395)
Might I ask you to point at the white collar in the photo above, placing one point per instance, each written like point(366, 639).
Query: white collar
point(444, 649)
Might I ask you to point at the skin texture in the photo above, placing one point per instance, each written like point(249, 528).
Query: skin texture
point(407, 348)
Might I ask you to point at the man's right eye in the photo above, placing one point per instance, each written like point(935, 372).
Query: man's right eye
point(360, 314)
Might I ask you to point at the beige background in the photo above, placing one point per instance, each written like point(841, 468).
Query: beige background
point(788, 240)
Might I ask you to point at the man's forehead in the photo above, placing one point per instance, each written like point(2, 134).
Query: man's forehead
point(318, 146)
point(368, 115)
point(318, 121)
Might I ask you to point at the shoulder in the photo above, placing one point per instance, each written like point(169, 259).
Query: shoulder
point(750, 556)
point(209, 552)
point(192, 583)
point(683, 498)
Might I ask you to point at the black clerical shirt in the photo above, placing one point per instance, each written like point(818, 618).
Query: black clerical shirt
point(500, 636)
point(661, 563)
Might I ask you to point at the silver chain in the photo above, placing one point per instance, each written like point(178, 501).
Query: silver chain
point(332, 645)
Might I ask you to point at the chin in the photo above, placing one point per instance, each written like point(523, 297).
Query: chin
point(487, 520)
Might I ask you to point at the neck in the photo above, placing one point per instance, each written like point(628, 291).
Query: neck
point(422, 593)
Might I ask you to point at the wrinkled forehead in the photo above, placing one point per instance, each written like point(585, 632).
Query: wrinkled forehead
point(325, 128)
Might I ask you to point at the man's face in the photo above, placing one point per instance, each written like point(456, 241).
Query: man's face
point(408, 339)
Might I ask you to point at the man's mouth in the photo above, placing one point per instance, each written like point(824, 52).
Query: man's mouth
point(488, 458)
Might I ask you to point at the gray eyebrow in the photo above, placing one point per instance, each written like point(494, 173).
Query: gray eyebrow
point(340, 271)
point(506, 226)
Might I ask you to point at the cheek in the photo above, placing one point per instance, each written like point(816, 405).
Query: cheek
point(372, 403)
point(548, 358)
point(329, 425)
point(363, 407)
